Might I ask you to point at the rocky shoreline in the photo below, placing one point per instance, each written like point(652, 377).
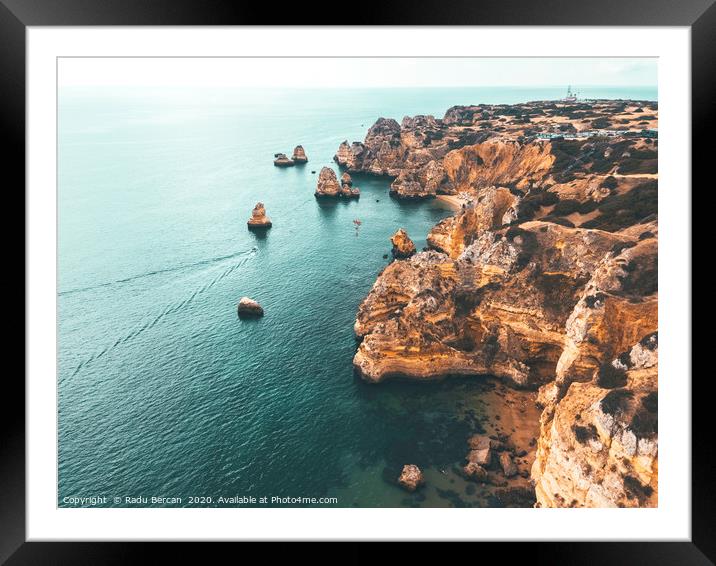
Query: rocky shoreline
point(546, 278)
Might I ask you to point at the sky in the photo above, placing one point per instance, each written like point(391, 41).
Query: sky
point(357, 72)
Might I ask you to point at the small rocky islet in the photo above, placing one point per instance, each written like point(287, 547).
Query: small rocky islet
point(403, 246)
point(546, 278)
point(248, 308)
point(411, 477)
point(328, 185)
point(259, 220)
point(298, 158)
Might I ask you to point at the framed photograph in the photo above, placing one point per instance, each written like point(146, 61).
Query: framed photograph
point(412, 281)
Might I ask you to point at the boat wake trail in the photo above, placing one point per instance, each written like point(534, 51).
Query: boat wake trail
point(182, 267)
point(169, 309)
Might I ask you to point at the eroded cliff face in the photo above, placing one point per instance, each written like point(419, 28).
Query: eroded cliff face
point(496, 207)
point(499, 162)
point(598, 444)
point(547, 279)
point(500, 307)
point(478, 146)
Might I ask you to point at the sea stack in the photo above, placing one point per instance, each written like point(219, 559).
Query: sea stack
point(411, 477)
point(259, 220)
point(347, 188)
point(299, 155)
point(327, 184)
point(282, 161)
point(248, 308)
point(403, 246)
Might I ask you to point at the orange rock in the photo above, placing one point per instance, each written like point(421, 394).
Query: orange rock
point(258, 219)
point(403, 246)
point(411, 478)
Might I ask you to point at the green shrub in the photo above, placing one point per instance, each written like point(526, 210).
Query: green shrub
point(616, 401)
point(565, 207)
point(619, 211)
point(635, 489)
point(610, 377)
point(609, 183)
point(584, 434)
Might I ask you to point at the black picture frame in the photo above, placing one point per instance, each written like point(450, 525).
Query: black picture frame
point(17, 15)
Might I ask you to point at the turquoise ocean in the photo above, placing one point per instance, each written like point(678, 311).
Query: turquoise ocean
point(162, 390)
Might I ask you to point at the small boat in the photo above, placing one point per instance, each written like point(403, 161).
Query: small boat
point(357, 222)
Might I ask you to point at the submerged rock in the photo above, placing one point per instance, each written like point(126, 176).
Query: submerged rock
point(479, 453)
point(475, 472)
point(248, 308)
point(507, 465)
point(299, 155)
point(281, 160)
point(403, 246)
point(411, 478)
point(258, 219)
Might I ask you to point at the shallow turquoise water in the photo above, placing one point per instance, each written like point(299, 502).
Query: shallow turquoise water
point(162, 390)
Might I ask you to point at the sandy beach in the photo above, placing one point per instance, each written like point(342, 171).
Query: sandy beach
point(454, 201)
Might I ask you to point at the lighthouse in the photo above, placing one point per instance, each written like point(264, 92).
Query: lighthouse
point(571, 97)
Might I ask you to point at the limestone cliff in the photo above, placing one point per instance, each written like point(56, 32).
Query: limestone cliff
point(547, 279)
point(598, 446)
point(495, 208)
point(516, 146)
point(499, 308)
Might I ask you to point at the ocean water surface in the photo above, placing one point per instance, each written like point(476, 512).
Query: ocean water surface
point(162, 390)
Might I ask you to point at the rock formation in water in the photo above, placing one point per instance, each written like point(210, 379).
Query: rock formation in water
point(281, 160)
point(347, 188)
point(299, 155)
point(411, 478)
point(258, 219)
point(248, 308)
point(547, 279)
point(501, 145)
point(403, 246)
point(328, 185)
